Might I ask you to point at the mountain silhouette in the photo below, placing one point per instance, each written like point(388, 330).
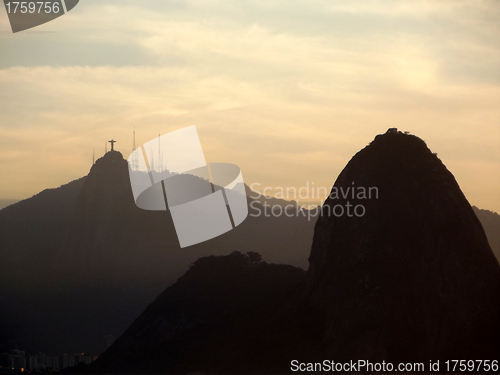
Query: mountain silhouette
point(491, 223)
point(7, 202)
point(212, 319)
point(32, 232)
point(80, 262)
point(412, 279)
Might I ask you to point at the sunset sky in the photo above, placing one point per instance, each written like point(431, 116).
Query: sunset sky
point(289, 90)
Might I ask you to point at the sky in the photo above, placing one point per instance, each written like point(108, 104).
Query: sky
point(289, 90)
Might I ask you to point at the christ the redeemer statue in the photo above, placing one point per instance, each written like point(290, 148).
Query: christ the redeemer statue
point(112, 144)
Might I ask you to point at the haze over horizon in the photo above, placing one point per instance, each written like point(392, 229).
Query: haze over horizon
point(287, 90)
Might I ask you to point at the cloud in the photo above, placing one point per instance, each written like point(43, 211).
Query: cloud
point(273, 86)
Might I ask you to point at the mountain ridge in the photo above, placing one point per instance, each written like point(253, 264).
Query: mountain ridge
point(413, 279)
point(35, 257)
point(83, 265)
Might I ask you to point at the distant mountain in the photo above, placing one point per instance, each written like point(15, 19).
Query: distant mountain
point(410, 278)
point(7, 202)
point(491, 223)
point(80, 262)
point(31, 234)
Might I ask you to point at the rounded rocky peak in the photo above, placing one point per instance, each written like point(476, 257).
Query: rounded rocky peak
point(110, 156)
point(414, 245)
point(110, 160)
